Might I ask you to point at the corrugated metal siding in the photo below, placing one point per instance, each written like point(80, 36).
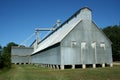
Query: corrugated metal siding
point(81, 31)
point(21, 55)
point(20, 59)
point(49, 56)
point(88, 33)
point(58, 35)
point(21, 51)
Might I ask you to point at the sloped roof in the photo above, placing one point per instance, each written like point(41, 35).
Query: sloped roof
point(57, 35)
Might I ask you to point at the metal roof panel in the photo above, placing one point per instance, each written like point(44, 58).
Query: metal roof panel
point(57, 35)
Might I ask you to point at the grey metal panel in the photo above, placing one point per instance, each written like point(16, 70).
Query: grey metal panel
point(91, 54)
point(20, 59)
point(21, 51)
point(108, 55)
point(80, 29)
point(87, 32)
point(49, 56)
point(70, 55)
point(21, 54)
point(59, 34)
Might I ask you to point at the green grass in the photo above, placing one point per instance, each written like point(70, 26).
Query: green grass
point(30, 72)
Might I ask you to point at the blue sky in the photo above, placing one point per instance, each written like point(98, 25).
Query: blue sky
point(19, 18)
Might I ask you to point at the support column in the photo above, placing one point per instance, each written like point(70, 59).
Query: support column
point(94, 65)
point(49, 66)
point(103, 65)
point(57, 66)
point(73, 66)
point(62, 67)
point(83, 66)
point(111, 65)
point(53, 66)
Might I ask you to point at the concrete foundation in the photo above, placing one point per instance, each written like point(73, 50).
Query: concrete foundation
point(57, 66)
point(50, 66)
point(53, 66)
point(103, 65)
point(111, 65)
point(94, 65)
point(83, 66)
point(62, 67)
point(73, 66)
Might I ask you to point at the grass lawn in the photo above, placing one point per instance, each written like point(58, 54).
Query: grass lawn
point(30, 72)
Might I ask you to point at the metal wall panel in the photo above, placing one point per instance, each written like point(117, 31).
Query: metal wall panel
point(49, 56)
point(79, 40)
point(65, 28)
point(20, 59)
point(21, 54)
point(22, 51)
point(88, 32)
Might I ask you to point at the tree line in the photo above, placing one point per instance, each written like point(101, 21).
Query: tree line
point(112, 32)
point(5, 55)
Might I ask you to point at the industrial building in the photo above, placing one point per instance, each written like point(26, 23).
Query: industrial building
point(77, 42)
point(21, 55)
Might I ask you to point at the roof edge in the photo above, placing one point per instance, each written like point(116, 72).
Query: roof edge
point(86, 8)
point(66, 21)
point(102, 32)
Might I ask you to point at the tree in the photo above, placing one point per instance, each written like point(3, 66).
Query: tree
point(1, 59)
point(7, 54)
point(113, 33)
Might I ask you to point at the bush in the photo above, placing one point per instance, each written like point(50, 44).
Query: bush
point(5, 55)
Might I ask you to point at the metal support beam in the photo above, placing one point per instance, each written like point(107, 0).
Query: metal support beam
point(37, 30)
point(44, 29)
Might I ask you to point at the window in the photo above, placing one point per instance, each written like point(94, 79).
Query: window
point(73, 43)
point(83, 45)
point(93, 44)
point(102, 45)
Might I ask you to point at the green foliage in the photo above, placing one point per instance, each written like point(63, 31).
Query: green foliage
point(113, 33)
point(1, 58)
point(5, 57)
